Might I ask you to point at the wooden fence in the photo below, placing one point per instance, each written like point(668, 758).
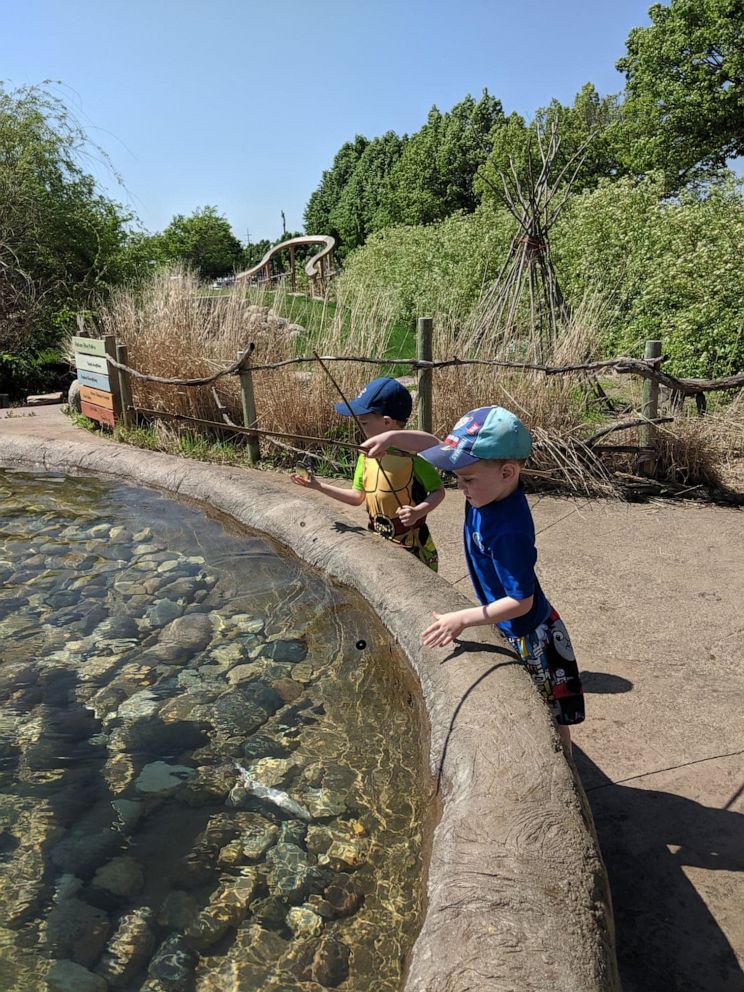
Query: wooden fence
point(647, 368)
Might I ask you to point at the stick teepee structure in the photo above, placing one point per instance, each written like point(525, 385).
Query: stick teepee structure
point(524, 308)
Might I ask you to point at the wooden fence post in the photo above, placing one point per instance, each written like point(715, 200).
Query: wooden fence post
point(125, 394)
point(109, 342)
point(650, 410)
point(424, 354)
point(249, 408)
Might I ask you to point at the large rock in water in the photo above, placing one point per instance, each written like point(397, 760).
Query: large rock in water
point(242, 710)
point(66, 976)
point(162, 779)
point(76, 930)
point(190, 634)
point(173, 964)
point(121, 878)
point(130, 948)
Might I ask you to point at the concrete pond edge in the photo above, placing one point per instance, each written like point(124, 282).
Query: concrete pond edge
point(517, 893)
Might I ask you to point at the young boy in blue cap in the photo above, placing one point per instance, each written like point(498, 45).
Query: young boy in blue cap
point(399, 490)
point(485, 451)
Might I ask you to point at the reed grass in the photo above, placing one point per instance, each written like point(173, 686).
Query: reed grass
point(171, 328)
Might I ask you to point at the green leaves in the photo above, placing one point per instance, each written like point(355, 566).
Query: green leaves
point(204, 241)
point(60, 239)
point(671, 267)
point(435, 174)
point(685, 88)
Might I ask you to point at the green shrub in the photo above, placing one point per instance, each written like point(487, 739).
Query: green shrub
point(438, 268)
point(672, 269)
point(667, 268)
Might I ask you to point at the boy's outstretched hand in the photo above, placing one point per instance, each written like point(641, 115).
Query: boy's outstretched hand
point(444, 631)
point(303, 480)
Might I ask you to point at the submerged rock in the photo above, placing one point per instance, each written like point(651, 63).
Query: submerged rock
point(173, 965)
point(292, 651)
point(321, 803)
point(330, 964)
point(162, 779)
point(177, 911)
point(191, 633)
point(288, 689)
point(226, 910)
point(289, 874)
point(122, 877)
point(67, 976)
point(261, 746)
point(77, 931)
point(303, 922)
point(142, 704)
point(242, 710)
point(258, 837)
point(129, 949)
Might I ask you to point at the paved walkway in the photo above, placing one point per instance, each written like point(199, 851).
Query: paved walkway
point(654, 598)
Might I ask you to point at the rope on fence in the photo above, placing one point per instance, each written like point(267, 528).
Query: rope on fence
point(233, 428)
point(645, 369)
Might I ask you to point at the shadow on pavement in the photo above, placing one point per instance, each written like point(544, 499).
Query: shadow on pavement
point(667, 938)
point(604, 683)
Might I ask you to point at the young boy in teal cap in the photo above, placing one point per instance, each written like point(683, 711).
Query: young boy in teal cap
point(399, 490)
point(485, 451)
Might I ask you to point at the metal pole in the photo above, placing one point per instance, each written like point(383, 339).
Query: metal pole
point(249, 408)
point(424, 327)
point(650, 410)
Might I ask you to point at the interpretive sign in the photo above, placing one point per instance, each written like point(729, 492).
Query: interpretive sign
point(99, 399)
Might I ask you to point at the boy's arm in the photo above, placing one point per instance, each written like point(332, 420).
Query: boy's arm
point(410, 514)
point(377, 446)
point(352, 497)
point(450, 625)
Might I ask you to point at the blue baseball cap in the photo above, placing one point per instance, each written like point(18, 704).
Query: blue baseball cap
point(385, 396)
point(488, 432)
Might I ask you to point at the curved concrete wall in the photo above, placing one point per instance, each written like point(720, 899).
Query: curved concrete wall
point(518, 899)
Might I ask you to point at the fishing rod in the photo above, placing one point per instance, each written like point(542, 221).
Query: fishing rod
point(236, 429)
point(359, 425)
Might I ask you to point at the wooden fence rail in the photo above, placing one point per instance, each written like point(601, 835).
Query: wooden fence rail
point(648, 369)
point(643, 368)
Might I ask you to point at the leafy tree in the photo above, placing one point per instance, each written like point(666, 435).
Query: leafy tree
point(140, 253)
point(320, 206)
point(669, 268)
point(254, 252)
point(60, 239)
point(434, 176)
point(204, 241)
point(685, 88)
point(356, 212)
point(591, 129)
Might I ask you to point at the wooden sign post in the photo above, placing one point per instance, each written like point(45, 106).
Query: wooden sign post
point(99, 391)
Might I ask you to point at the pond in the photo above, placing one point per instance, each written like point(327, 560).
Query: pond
point(212, 768)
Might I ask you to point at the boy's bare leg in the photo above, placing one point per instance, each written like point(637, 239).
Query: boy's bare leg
point(564, 733)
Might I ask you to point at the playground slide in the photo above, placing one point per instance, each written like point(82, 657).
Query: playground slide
point(315, 268)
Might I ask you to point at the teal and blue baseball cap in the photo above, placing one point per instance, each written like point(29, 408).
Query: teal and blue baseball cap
point(385, 396)
point(488, 432)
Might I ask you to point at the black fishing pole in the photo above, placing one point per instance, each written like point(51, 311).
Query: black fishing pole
point(383, 524)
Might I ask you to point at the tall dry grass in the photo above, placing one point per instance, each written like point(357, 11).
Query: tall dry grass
point(172, 329)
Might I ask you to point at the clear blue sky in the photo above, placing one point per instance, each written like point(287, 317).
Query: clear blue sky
point(243, 104)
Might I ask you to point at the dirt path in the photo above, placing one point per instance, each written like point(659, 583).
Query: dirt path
point(654, 599)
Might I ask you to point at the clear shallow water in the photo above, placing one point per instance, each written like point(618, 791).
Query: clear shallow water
point(144, 649)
